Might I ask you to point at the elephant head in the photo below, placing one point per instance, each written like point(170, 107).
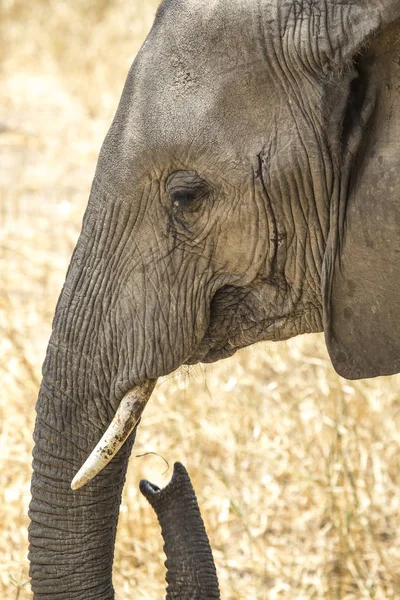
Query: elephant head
point(247, 190)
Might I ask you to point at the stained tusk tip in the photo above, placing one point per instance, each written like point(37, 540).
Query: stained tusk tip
point(76, 483)
point(125, 420)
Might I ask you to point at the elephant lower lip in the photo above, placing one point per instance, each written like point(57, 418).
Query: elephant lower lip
point(196, 358)
point(219, 354)
point(210, 354)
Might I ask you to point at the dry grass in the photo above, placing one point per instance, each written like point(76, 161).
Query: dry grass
point(296, 470)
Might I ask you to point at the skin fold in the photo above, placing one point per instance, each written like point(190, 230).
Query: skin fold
point(247, 190)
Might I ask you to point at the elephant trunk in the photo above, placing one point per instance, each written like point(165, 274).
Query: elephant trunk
point(191, 572)
point(86, 373)
point(72, 534)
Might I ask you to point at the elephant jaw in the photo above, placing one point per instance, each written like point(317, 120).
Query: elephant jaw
point(125, 419)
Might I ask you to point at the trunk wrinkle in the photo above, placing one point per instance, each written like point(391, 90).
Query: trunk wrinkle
point(191, 573)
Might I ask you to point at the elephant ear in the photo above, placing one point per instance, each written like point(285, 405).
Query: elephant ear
point(361, 271)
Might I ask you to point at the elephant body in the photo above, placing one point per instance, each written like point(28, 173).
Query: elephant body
point(247, 190)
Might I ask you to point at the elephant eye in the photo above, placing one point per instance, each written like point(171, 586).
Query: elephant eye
point(187, 191)
point(187, 199)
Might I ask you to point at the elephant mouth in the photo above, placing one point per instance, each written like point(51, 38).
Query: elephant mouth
point(241, 317)
point(237, 319)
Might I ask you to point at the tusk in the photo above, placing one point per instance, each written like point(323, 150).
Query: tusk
point(127, 416)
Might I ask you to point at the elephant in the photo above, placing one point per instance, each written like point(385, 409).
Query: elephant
point(247, 190)
point(191, 571)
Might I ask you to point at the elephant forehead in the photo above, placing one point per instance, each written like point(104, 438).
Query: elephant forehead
point(191, 91)
point(207, 36)
point(219, 111)
point(199, 91)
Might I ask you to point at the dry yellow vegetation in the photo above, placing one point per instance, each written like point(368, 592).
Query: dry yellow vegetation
point(296, 470)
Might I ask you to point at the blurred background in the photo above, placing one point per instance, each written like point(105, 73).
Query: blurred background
point(296, 469)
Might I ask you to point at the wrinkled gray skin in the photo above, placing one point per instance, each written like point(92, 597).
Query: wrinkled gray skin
point(247, 190)
point(191, 573)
